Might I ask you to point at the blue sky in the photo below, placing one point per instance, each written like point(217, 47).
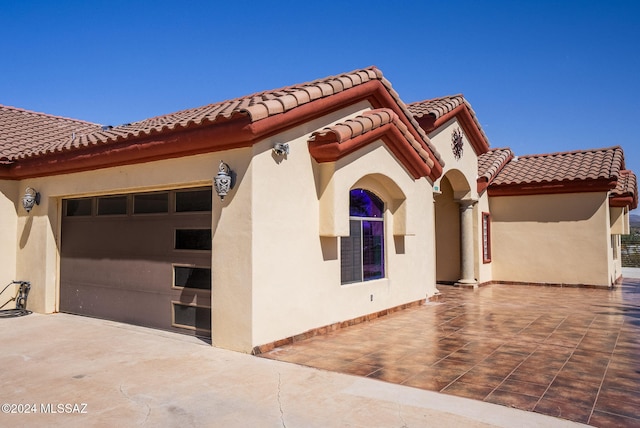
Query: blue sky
point(542, 76)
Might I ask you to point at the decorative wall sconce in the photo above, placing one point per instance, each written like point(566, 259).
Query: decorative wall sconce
point(457, 143)
point(281, 149)
point(31, 197)
point(224, 180)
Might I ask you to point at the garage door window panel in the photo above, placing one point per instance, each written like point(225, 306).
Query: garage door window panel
point(78, 207)
point(112, 205)
point(193, 239)
point(191, 317)
point(151, 203)
point(193, 201)
point(192, 277)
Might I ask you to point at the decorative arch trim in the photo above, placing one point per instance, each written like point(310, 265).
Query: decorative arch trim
point(394, 198)
point(460, 184)
point(334, 202)
point(338, 141)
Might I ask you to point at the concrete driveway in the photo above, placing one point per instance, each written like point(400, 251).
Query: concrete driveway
point(71, 371)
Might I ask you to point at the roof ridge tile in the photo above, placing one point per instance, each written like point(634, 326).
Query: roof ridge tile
point(260, 105)
point(52, 116)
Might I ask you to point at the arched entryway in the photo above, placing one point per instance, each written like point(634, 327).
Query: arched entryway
point(455, 250)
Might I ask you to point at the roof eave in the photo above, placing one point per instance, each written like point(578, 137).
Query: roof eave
point(549, 188)
point(624, 201)
point(144, 148)
point(484, 182)
point(476, 137)
point(214, 136)
point(328, 148)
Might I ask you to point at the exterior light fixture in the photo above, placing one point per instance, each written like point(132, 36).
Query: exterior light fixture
point(224, 180)
point(281, 149)
point(30, 198)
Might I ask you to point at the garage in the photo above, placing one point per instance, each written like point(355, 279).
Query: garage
point(139, 258)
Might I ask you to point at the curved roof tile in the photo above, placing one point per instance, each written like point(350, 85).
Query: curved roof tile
point(627, 185)
point(359, 125)
point(439, 107)
point(28, 134)
point(596, 164)
point(369, 121)
point(491, 162)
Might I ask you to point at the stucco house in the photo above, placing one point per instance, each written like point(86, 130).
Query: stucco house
point(283, 214)
point(548, 219)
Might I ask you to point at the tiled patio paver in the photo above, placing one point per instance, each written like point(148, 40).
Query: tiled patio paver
point(573, 353)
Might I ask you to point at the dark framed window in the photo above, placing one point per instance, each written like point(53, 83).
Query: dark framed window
point(191, 317)
point(197, 201)
point(192, 277)
point(362, 252)
point(78, 207)
point(486, 238)
point(112, 205)
point(151, 203)
point(193, 200)
point(193, 239)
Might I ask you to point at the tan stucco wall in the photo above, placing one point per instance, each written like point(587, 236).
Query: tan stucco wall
point(484, 271)
point(615, 268)
point(38, 232)
point(561, 238)
point(466, 166)
point(8, 236)
point(460, 184)
point(274, 273)
point(619, 220)
point(447, 222)
point(300, 210)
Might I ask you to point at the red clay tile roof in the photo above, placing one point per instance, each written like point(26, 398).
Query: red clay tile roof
point(77, 135)
point(359, 125)
point(25, 133)
point(371, 120)
point(555, 172)
point(626, 190)
point(491, 162)
point(627, 184)
point(438, 108)
point(566, 166)
point(260, 105)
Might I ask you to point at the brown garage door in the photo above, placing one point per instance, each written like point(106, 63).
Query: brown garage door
point(141, 258)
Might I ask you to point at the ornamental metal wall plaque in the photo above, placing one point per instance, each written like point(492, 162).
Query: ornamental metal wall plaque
point(457, 143)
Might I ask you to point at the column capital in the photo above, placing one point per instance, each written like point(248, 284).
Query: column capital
point(467, 203)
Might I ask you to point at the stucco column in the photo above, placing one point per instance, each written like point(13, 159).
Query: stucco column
point(467, 253)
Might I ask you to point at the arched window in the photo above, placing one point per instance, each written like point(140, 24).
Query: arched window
point(362, 252)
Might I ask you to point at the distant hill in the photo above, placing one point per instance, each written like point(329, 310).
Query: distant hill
point(634, 220)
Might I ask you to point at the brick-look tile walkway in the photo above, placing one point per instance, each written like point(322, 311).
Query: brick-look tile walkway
point(572, 353)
